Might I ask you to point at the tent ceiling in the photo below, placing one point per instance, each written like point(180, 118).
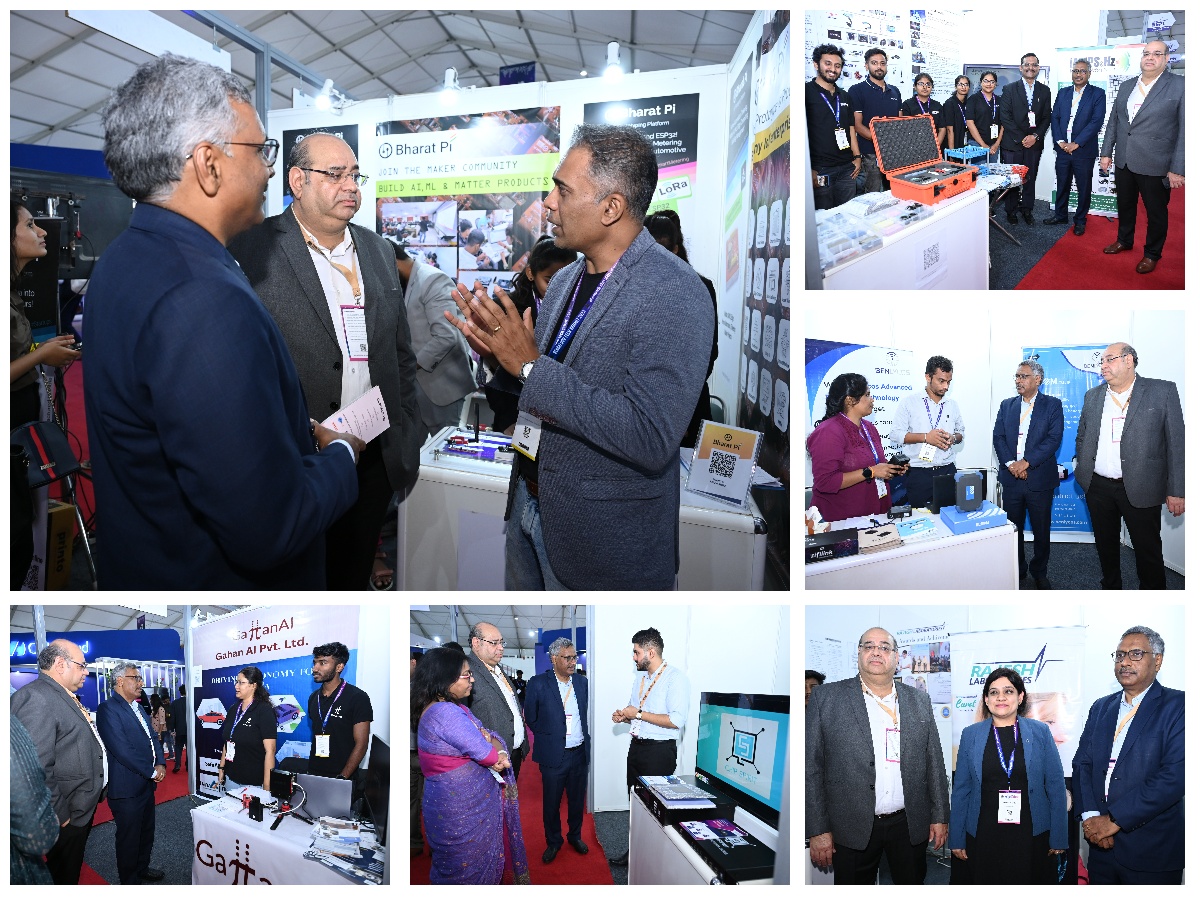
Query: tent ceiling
point(61, 71)
point(104, 618)
point(515, 631)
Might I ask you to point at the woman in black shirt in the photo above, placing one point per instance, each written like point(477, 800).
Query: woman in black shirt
point(983, 114)
point(922, 104)
point(248, 735)
point(954, 112)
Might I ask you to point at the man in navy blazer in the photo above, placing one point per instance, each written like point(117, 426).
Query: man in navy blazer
point(1026, 437)
point(1132, 809)
point(1075, 129)
point(556, 710)
point(136, 767)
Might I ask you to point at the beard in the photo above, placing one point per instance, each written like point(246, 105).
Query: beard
point(643, 666)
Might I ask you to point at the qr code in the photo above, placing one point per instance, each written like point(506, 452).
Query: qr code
point(933, 255)
point(722, 464)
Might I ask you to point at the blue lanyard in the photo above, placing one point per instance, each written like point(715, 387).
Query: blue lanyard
point(325, 721)
point(866, 437)
point(1008, 767)
point(962, 111)
point(1028, 95)
point(836, 109)
point(992, 105)
point(566, 332)
point(921, 106)
point(929, 415)
point(238, 718)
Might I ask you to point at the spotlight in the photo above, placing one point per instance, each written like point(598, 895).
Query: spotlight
point(324, 100)
point(450, 86)
point(612, 69)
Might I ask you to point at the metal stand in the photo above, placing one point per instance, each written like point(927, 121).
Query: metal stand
point(992, 218)
point(69, 481)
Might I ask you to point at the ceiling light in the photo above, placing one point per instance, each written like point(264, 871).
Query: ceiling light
point(583, 73)
point(324, 100)
point(612, 68)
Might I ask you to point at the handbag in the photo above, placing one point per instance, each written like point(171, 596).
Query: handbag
point(49, 451)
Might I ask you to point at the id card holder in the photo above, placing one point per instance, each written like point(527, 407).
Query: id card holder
point(1009, 812)
point(635, 727)
point(927, 452)
point(839, 135)
point(527, 435)
point(354, 326)
point(1032, 119)
point(1112, 764)
point(891, 745)
point(570, 724)
point(322, 745)
point(995, 132)
point(881, 487)
point(1118, 429)
point(230, 749)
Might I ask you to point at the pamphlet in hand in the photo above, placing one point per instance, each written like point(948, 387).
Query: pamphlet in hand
point(365, 418)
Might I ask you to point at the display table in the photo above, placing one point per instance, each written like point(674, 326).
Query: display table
point(981, 560)
point(947, 251)
point(451, 530)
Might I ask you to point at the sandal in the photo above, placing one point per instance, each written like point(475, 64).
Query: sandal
point(381, 576)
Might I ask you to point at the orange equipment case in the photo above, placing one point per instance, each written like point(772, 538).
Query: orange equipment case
point(907, 151)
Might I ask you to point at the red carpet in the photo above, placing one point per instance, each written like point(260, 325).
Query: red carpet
point(88, 875)
point(1078, 263)
point(171, 788)
point(568, 867)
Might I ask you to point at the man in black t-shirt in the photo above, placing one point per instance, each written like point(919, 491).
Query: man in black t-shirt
point(340, 715)
point(832, 141)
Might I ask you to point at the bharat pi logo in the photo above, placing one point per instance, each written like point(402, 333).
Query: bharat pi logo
point(744, 748)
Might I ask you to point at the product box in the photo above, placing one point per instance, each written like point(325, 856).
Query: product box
point(830, 545)
point(733, 853)
point(989, 515)
point(60, 538)
point(722, 808)
point(907, 151)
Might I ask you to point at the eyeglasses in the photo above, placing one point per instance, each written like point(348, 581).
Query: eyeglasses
point(358, 178)
point(1135, 655)
point(82, 665)
point(467, 675)
point(241, 683)
point(872, 647)
point(571, 658)
point(1021, 377)
point(1146, 53)
point(137, 678)
point(1111, 359)
point(499, 643)
point(268, 149)
point(1080, 71)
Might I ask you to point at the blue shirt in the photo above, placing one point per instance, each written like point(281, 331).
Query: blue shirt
point(669, 697)
point(874, 102)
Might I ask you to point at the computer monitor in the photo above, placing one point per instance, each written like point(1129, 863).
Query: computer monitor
point(741, 747)
point(376, 785)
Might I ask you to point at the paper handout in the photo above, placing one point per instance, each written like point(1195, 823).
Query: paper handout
point(366, 417)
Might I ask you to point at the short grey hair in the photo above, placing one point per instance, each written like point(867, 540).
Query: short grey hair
point(1035, 367)
point(122, 668)
point(558, 645)
point(622, 162)
point(50, 654)
point(154, 120)
point(1155, 639)
point(1084, 61)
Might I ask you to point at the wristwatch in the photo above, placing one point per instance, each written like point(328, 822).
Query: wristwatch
point(525, 370)
point(639, 715)
point(866, 473)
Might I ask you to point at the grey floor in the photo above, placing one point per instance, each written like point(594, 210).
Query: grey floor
point(172, 853)
point(1011, 263)
point(612, 828)
point(1076, 567)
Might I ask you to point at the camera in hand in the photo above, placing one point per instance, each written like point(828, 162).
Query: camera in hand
point(898, 459)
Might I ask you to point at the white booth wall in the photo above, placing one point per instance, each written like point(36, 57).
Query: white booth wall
point(742, 649)
point(985, 347)
point(374, 677)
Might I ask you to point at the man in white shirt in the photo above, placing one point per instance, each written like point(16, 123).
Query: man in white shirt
point(930, 428)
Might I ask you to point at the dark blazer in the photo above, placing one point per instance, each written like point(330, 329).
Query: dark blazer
point(131, 755)
point(67, 749)
point(277, 261)
point(1145, 794)
point(1151, 442)
point(180, 710)
point(1041, 443)
point(488, 704)
point(1153, 143)
point(839, 765)
point(1088, 119)
point(547, 720)
point(614, 411)
point(1043, 766)
point(1014, 114)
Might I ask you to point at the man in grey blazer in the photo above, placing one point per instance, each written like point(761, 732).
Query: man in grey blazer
point(610, 380)
point(874, 777)
point(494, 699)
point(69, 750)
point(333, 289)
point(1129, 461)
point(1146, 128)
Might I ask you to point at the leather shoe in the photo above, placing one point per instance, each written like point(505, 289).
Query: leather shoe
point(1043, 584)
point(1080, 229)
point(550, 853)
point(1054, 221)
point(1012, 218)
point(579, 845)
point(1146, 266)
point(1028, 216)
point(1116, 247)
point(622, 860)
point(152, 875)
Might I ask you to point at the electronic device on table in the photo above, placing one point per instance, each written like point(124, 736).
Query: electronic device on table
point(741, 747)
point(907, 151)
point(473, 443)
point(326, 796)
point(377, 785)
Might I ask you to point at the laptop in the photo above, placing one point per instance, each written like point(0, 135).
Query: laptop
point(325, 796)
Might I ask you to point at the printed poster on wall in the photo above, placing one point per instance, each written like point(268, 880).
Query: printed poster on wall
point(278, 640)
point(464, 192)
point(736, 183)
point(923, 660)
point(348, 133)
point(1071, 371)
point(856, 32)
point(937, 52)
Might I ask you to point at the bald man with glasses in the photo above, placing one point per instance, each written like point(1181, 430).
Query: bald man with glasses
point(494, 700)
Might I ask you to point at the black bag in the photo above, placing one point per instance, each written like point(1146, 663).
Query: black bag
point(49, 451)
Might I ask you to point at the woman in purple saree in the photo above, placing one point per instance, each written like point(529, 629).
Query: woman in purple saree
point(472, 820)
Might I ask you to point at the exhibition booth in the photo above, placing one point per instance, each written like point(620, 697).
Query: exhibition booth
point(1063, 653)
point(890, 350)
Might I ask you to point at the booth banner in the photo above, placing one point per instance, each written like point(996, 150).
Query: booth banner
point(936, 49)
point(347, 132)
point(856, 32)
point(484, 175)
point(279, 640)
point(924, 660)
point(736, 184)
point(1071, 371)
point(1049, 661)
point(1110, 67)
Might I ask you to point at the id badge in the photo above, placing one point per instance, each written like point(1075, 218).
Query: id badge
point(635, 727)
point(927, 452)
point(1009, 812)
point(843, 142)
point(1118, 429)
point(354, 325)
point(995, 132)
point(891, 745)
point(527, 435)
point(229, 751)
point(1032, 119)
point(1112, 764)
point(881, 487)
point(322, 745)
point(570, 724)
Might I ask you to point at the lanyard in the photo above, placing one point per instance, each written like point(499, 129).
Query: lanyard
point(237, 718)
point(1125, 721)
point(1008, 767)
point(570, 687)
point(325, 720)
point(866, 437)
point(1028, 95)
point(566, 332)
point(350, 274)
point(836, 109)
point(1118, 405)
point(921, 106)
point(929, 415)
point(962, 111)
point(642, 696)
point(892, 714)
point(1028, 413)
point(992, 104)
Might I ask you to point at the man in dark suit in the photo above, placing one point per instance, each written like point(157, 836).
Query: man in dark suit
point(610, 376)
point(494, 699)
point(556, 708)
point(137, 768)
point(1146, 129)
point(69, 750)
point(333, 289)
point(1129, 461)
point(1075, 128)
point(874, 778)
point(1025, 109)
point(1026, 437)
point(208, 474)
point(1128, 773)
point(180, 713)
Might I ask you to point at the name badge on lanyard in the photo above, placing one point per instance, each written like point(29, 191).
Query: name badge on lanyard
point(1009, 811)
point(891, 745)
point(1032, 119)
point(1118, 428)
point(570, 724)
point(322, 745)
point(230, 750)
point(843, 142)
point(354, 326)
point(527, 434)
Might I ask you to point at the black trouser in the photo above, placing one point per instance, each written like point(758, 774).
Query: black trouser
point(518, 757)
point(889, 834)
point(1155, 197)
point(570, 776)
point(1107, 504)
point(351, 541)
point(1066, 167)
point(1025, 156)
point(416, 794)
point(919, 482)
point(180, 746)
point(1019, 500)
point(1103, 868)
point(65, 859)
point(838, 187)
point(134, 818)
point(648, 757)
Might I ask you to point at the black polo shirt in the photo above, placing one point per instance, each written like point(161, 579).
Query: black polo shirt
point(954, 116)
point(352, 706)
point(912, 107)
point(874, 102)
point(983, 114)
point(257, 724)
point(819, 106)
